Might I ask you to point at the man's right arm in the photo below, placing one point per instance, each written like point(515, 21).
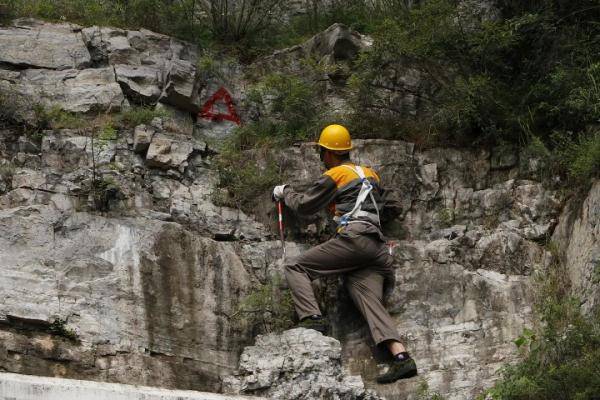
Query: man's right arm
point(318, 196)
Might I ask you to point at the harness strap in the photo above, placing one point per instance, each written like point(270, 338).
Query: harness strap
point(365, 191)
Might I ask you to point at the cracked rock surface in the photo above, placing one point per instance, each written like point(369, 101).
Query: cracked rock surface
point(296, 364)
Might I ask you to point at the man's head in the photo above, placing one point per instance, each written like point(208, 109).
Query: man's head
point(334, 145)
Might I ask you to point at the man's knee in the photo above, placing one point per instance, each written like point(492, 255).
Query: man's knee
point(292, 270)
point(292, 267)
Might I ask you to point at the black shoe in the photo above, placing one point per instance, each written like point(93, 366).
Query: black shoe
point(316, 322)
point(399, 370)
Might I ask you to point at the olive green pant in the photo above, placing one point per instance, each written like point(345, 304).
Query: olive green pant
point(364, 261)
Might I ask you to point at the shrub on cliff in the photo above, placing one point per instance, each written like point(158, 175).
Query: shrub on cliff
point(531, 70)
point(178, 18)
point(286, 110)
point(203, 22)
point(267, 308)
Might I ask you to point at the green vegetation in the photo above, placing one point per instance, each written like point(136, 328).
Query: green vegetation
point(267, 308)
point(292, 108)
point(7, 170)
point(244, 26)
point(15, 110)
point(5, 14)
point(139, 115)
point(562, 355)
point(57, 118)
point(248, 28)
point(528, 75)
point(243, 179)
point(103, 191)
point(596, 273)
point(59, 327)
point(108, 132)
point(446, 217)
point(178, 18)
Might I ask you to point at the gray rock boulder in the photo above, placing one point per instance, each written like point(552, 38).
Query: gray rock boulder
point(140, 83)
point(181, 86)
point(148, 65)
point(164, 152)
point(35, 44)
point(296, 364)
point(338, 42)
point(72, 90)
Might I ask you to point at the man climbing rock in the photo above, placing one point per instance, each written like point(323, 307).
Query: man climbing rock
point(353, 194)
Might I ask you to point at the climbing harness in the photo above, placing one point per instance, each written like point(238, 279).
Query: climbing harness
point(365, 191)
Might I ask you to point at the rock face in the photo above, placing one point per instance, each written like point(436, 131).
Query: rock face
point(297, 364)
point(149, 66)
point(578, 236)
point(464, 251)
point(94, 69)
point(136, 291)
point(119, 264)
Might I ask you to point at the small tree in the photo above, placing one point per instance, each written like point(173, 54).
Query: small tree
point(237, 20)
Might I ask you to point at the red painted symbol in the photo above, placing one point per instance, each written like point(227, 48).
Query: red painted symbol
point(207, 109)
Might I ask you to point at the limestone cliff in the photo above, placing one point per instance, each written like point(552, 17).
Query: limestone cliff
point(140, 286)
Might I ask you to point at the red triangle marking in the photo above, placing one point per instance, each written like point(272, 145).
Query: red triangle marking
point(207, 109)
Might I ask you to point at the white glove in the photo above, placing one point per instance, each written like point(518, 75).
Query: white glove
point(278, 192)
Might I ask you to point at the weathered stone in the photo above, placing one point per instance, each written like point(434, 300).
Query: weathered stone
point(277, 366)
point(32, 43)
point(176, 120)
point(506, 252)
point(110, 45)
point(467, 237)
point(140, 83)
point(64, 153)
point(26, 145)
point(148, 65)
point(28, 178)
point(473, 11)
point(338, 40)
point(338, 43)
point(462, 316)
point(181, 86)
point(71, 90)
point(142, 137)
point(142, 286)
point(167, 153)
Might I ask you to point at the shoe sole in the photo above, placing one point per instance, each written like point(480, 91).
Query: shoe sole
point(411, 374)
point(322, 329)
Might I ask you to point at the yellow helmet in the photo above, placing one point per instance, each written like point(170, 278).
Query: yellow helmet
point(335, 137)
